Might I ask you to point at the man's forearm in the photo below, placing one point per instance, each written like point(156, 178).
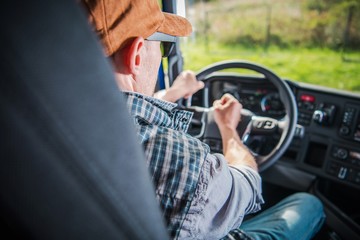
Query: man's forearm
point(235, 152)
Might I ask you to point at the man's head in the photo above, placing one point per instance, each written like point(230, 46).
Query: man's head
point(131, 32)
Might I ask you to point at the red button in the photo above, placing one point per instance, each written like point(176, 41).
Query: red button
point(307, 98)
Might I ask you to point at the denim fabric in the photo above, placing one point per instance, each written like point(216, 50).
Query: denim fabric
point(299, 216)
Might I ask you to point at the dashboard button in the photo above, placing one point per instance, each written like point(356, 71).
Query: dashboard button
point(342, 172)
point(344, 131)
point(340, 153)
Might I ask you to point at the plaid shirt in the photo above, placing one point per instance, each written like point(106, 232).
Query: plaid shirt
point(162, 130)
point(200, 195)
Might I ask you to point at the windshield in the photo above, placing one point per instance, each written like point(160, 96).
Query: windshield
point(312, 41)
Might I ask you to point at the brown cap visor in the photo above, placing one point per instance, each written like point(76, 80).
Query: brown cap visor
point(175, 25)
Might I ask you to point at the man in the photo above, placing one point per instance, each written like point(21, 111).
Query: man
point(202, 195)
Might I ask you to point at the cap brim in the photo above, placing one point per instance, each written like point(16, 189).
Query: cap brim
point(163, 37)
point(175, 25)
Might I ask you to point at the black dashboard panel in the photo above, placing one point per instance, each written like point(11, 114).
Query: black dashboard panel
point(330, 147)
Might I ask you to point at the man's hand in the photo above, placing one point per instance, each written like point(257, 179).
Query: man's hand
point(184, 86)
point(227, 114)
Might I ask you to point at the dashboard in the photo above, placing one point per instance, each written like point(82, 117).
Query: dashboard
point(330, 145)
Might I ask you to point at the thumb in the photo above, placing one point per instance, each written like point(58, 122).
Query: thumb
point(200, 84)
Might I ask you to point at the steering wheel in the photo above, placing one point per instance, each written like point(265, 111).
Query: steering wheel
point(250, 122)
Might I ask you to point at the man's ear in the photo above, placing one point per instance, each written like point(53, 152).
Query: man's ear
point(133, 56)
point(128, 60)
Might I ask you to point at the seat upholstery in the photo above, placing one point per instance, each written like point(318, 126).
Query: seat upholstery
point(71, 166)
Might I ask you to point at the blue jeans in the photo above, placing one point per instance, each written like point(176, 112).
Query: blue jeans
point(299, 216)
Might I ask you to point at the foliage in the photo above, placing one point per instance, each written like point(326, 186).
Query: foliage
point(313, 41)
point(320, 66)
point(286, 23)
point(328, 22)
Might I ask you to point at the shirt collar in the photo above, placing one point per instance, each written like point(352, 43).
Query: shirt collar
point(158, 112)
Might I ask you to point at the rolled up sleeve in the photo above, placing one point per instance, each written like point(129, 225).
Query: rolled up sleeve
point(224, 195)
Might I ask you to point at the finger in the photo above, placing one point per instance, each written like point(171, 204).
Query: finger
point(226, 97)
point(217, 104)
point(227, 100)
point(188, 74)
point(200, 84)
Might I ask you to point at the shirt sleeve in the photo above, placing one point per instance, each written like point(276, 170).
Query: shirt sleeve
point(223, 197)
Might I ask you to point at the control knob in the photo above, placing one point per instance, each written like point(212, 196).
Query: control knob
point(325, 114)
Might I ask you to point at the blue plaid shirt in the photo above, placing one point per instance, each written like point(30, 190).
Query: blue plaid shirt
point(192, 185)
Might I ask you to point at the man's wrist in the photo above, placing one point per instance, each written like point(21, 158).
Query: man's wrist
point(172, 95)
point(169, 95)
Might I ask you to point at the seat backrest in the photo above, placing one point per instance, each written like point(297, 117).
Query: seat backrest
point(71, 166)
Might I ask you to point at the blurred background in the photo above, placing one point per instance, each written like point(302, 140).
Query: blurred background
point(313, 41)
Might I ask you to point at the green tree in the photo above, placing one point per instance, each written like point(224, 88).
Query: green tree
point(334, 23)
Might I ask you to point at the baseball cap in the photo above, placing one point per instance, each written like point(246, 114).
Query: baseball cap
point(118, 21)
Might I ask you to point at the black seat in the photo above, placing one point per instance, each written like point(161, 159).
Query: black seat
point(71, 166)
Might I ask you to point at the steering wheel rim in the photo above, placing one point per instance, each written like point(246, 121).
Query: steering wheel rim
point(286, 96)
